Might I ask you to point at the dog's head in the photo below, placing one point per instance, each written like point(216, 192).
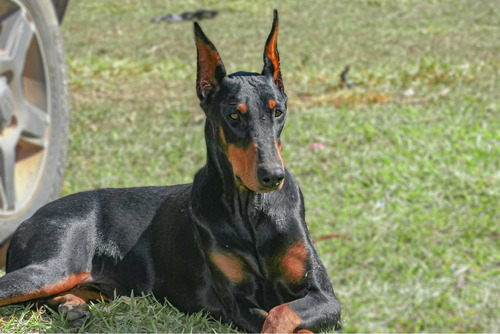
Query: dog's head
point(247, 110)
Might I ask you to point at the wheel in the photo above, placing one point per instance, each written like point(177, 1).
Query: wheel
point(34, 109)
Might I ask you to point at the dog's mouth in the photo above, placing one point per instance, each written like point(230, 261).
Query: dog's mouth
point(268, 190)
point(252, 174)
point(257, 187)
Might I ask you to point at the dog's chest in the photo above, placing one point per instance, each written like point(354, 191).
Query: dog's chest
point(285, 263)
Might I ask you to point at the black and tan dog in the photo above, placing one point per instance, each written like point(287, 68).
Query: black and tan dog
point(233, 243)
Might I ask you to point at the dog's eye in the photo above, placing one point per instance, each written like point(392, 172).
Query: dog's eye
point(234, 115)
point(278, 113)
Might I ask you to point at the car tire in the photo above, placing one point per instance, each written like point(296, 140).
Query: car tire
point(34, 176)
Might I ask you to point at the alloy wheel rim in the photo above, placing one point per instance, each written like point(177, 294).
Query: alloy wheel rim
point(25, 126)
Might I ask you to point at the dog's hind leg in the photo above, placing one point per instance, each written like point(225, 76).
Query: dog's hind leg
point(37, 281)
point(40, 281)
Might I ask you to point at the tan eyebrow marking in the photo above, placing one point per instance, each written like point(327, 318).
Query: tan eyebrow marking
point(242, 108)
point(272, 103)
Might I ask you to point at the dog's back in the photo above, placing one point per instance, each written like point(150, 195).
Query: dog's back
point(97, 229)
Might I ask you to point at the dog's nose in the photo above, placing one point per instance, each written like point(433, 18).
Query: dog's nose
point(270, 177)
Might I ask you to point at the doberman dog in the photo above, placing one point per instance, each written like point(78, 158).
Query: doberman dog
point(234, 243)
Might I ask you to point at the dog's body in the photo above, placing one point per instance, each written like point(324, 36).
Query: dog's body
point(233, 243)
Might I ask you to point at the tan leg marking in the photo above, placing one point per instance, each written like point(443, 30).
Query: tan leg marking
point(281, 319)
point(52, 289)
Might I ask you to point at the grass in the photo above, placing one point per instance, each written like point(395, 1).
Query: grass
point(403, 170)
point(125, 314)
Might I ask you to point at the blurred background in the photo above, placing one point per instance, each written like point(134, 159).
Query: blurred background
point(399, 163)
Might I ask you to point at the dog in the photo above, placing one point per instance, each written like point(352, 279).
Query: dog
point(234, 243)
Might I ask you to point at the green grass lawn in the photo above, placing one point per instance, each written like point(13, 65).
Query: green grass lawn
point(402, 172)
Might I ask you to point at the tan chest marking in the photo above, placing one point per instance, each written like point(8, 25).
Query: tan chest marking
point(293, 263)
point(230, 265)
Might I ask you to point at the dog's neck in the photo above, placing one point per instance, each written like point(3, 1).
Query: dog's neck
point(219, 183)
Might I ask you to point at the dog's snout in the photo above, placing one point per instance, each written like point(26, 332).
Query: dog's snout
point(271, 177)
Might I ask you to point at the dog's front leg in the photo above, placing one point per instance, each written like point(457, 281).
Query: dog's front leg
point(313, 312)
point(317, 310)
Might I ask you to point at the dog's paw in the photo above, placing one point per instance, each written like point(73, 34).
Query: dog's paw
point(76, 315)
point(281, 319)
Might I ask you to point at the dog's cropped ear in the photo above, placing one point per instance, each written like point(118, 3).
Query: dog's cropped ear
point(210, 67)
point(271, 55)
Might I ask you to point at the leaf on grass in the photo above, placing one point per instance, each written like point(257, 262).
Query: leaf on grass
point(338, 98)
point(317, 147)
point(332, 236)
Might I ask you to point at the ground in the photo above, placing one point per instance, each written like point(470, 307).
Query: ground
point(401, 174)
